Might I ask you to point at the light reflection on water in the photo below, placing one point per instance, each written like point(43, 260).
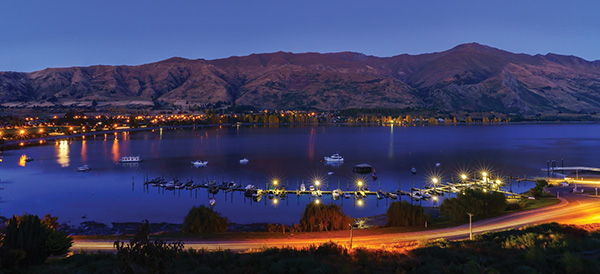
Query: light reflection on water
point(62, 153)
point(291, 155)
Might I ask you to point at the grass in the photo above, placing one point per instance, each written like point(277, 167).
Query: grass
point(540, 202)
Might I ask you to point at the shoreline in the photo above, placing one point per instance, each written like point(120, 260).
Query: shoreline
point(14, 144)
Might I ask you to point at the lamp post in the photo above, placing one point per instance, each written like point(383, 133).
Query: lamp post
point(351, 232)
point(470, 227)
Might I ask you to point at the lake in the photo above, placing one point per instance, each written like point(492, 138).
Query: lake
point(113, 192)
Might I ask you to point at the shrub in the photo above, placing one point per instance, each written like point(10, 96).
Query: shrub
point(405, 214)
point(319, 217)
point(203, 220)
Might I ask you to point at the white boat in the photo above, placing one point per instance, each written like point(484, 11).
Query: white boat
point(170, 184)
point(311, 187)
point(130, 159)
point(347, 195)
point(244, 161)
point(330, 173)
point(334, 158)
point(198, 163)
point(83, 168)
point(336, 194)
point(212, 201)
point(302, 187)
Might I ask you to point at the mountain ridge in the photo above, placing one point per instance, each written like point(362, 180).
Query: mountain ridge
point(468, 77)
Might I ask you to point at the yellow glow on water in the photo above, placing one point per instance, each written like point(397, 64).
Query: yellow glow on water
point(84, 151)
point(62, 153)
point(23, 160)
point(115, 150)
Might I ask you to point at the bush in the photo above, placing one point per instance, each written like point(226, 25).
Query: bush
point(405, 214)
point(539, 188)
point(28, 241)
point(203, 220)
point(319, 217)
point(477, 202)
point(142, 256)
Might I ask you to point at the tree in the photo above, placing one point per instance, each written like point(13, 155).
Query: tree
point(474, 201)
point(319, 217)
point(203, 220)
point(35, 240)
point(404, 214)
point(539, 188)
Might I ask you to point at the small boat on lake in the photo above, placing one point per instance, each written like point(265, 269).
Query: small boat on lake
point(335, 158)
point(83, 168)
point(130, 159)
point(335, 194)
point(362, 168)
point(244, 161)
point(199, 163)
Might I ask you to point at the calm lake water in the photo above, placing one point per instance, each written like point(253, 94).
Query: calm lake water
point(113, 192)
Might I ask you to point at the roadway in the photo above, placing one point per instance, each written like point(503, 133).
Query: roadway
point(574, 209)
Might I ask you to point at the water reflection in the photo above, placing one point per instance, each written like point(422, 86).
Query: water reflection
point(62, 154)
point(115, 149)
point(311, 144)
point(83, 151)
point(391, 145)
point(23, 160)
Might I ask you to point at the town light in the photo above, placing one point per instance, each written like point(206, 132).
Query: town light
point(434, 180)
point(484, 174)
point(360, 183)
point(317, 183)
point(275, 201)
point(317, 201)
point(275, 182)
point(360, 202)
point(463, 176)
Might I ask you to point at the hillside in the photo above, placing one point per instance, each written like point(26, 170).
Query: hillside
point(469, 77)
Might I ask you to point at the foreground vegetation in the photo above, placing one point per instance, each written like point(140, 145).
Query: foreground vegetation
point(547, 248)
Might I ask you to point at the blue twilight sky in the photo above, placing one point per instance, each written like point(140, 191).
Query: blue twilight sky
point(36, 34)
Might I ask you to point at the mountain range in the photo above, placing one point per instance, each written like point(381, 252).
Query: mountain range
point(468, 77)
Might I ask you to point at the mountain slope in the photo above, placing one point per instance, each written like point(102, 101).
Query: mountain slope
point(470, 77)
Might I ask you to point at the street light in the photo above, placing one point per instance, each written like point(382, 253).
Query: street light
point(470, 227)
point(351, 232)
point(360, 183)
point(275, 182)
point(463, 176)
point(360, 202)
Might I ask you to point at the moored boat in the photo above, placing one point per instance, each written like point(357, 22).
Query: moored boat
point(130, 159)
point(199, 163)
point(83, 168)
point(334, 158)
